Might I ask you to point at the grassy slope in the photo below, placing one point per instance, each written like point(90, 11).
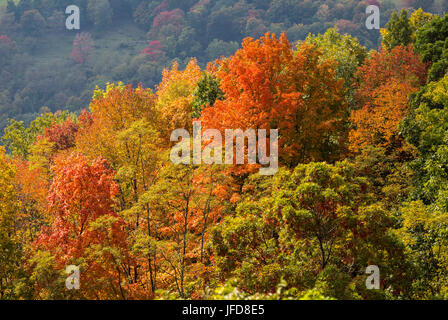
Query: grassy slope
point(57, 47)
point(111, 45)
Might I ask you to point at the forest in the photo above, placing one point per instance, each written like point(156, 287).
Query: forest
point(134, 40)
point(86, 178)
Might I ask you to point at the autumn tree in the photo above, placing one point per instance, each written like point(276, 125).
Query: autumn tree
point(10, 246)
point(123, 126)
point(154, 50)
point(82, 47)
point(62, 134)
point(86, 230)
point(387, 80)
point(267, 85)
point(31, 185)
point(175, 97)
point(191, 203)
point(111, 112)
point(18, 138)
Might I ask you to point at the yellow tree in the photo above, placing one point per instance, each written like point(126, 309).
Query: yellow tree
point(123, 127)
point(175, 97)
point(10, 248)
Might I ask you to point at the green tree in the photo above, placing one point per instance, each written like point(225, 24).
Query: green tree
point(18, 139)
point(399, 30)
point(317, 226)
point(432, 44)
point(426, 128)
point(206, 94)
point(100, 13)
point(348, 53)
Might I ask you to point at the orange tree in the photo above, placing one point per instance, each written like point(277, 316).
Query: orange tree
point(86, 230)
point(268, 85)
point(387, 80)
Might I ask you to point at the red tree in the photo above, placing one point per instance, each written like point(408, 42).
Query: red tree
point(386, 80)
point(86, 229)
point(154, 50)
point(267, 85)
point(82, 47)
point(62, 134)
point(173, 17)
point(5, 39)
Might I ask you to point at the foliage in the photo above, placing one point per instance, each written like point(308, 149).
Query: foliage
point(425, 128)
point(38, 74)
point(19, 139)
point(10, 247)
point(399, 31)
point(100, 13)
point(432, 44)
point(314, 222)
point(384, 97)
point(206, 94)
point(97, 189)
point(348, 53)
point(175, 96)
point(268, 85)
point(86, 229)
point(82, 47)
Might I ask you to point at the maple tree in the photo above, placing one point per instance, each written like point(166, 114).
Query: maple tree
point(82, 47)
point(63, 134)
point(175, 95)
point(269, 86)
point(111, 111)
point(124, 127)
point(154, 50)
point(384, 97)
point(86, 228)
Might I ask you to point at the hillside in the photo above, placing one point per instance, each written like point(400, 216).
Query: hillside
point(41, 75)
